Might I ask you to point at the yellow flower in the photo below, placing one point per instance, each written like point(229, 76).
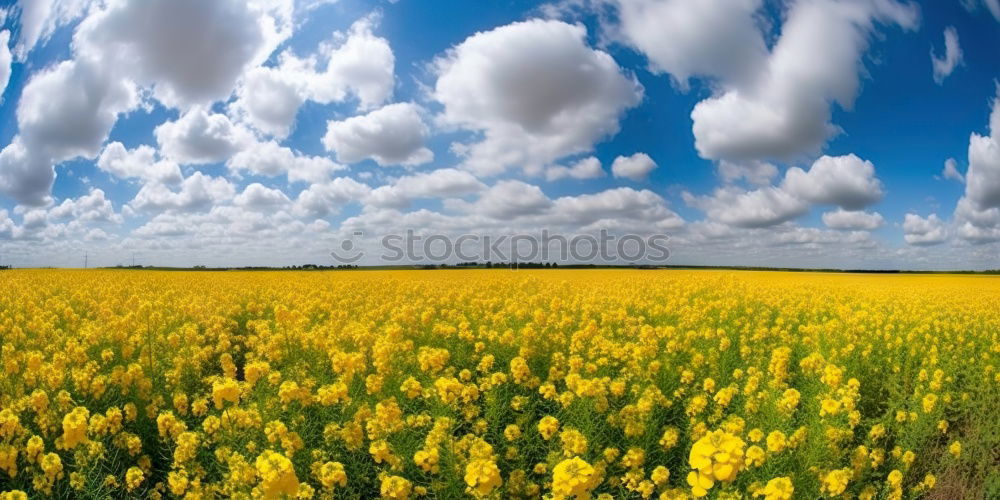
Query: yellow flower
point(573, 442)
point(75, 427)
point(276, 474)
point(482, 476)
point(332, 474)
point(835, 481)
point(660, 475)
point(548, 426)
point(512, 432)
point(574, 478)
point(754, 456)
point(225, 390)
point(895, 479)
point(699, 483)
point(133, 478)
point(955, 448)
point(669, 438)
point(395, 488)
point(776, 441)
point(779, 488)
point(928, 402)
point(717, 456)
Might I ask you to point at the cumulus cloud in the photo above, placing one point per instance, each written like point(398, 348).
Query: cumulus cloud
point(614, 208)
point(846, 181)
point(510, 199)
point(320, 200)
point(269, 99)
point(138, 163)
point(858, 220)
point(784, 111)
point(587, 168)
point(982, 186)
point(392, 135)
point(270, 160)
point(977, 213)
point(65, 111)
point(685, 38)
point(5, 61)
point(189, 51)
point(535, 91)
point(200, 136)
point(762, 207)
point(258, 197)
point(636, 167)
point(441, 183)
point(922, 231)
point(356, 63)
point(38, 19)
point(91, 207)
point(197, 192)
point(759, 173)
point(951, 171)
point(944, 65)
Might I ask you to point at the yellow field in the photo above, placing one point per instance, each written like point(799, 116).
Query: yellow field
point(548, 383)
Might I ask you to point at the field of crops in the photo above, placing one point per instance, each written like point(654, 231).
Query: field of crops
point(498, 384)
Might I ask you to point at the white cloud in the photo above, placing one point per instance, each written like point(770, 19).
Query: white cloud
point(320, 200)
point(951, 171)
point(258, 197)
point(685, 38)
point(197, 192)
point(758, 173)
point(762, 207)
point(846, 181)
point(535, 91)
point(91, 207)
point(636, 167)
point(977, 214)
point(269, 99)
point(944, 65)
point(65, 111)
point(25, 177)
point(69, 109)
point(976, 225)
point(5, 61)
point(614, 208)
point(38, 19)
point(510, 199)
point(982, 179)
point(922, 231)
point(784, 113)
point(199, 136)
point(139, 163)
point(441, 183)
point(189, 51)
point(362, 65)
point(270, 160)
point(587, 168)
point(853, 220)
point(991, 5)
point(392, 135)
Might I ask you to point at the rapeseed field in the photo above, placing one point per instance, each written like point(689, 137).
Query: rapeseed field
point(498, 384)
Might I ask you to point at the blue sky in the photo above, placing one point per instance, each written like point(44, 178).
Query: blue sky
point(810, 133)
